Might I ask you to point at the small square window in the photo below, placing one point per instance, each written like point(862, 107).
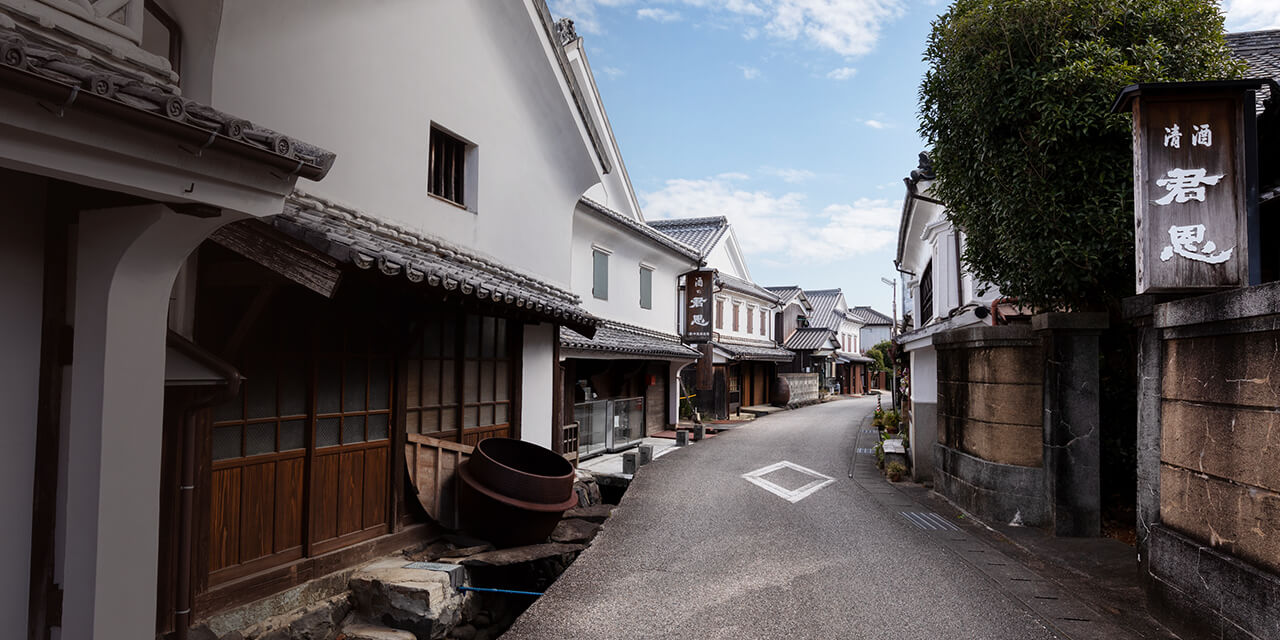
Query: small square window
point(600, 274)
point(448, 167)
point(646, 288)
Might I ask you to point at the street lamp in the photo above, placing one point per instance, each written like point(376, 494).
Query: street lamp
point(893, 285)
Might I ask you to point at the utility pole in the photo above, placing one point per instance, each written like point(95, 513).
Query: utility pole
point(893, 332)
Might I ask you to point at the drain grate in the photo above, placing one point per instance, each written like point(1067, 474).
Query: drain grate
point(866, 450)
point(929, 521)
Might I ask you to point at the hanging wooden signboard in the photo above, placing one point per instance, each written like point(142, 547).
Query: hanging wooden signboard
point(1195, 184)
point(699, 303)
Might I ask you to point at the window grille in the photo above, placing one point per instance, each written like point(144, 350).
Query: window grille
point(448, 167)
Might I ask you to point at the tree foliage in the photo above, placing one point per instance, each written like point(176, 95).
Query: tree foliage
point(880, 353)
point(1031, 163)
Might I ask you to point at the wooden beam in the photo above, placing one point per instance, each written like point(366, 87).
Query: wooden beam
point(282, 254)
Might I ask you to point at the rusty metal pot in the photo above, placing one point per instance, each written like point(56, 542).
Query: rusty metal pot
point(514, 492)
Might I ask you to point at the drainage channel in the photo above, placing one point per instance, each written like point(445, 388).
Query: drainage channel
point(1061, 613)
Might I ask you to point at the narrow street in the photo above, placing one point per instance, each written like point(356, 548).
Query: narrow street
point(697, 551)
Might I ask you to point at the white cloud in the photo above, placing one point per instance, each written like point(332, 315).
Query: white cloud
point(750, 73)
point(1252, 15)
point(847, 27)
point(843, 73)
point(791, 175)
point(782, 227)
point(659, 15)
point(876, 124)
point(612, 72)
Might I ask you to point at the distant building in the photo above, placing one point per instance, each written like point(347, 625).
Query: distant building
point(745, 353)
point(621, 384)
point(876, 326)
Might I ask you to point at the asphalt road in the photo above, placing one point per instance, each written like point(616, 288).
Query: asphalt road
point(696, 551)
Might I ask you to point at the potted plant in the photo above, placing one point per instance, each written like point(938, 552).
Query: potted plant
point(895, 471)
point(890, 421)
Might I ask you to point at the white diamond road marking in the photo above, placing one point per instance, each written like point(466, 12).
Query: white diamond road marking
point(790, 495)
point(929, 521)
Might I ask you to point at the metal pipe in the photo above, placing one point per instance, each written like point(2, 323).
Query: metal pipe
point(488, 590)
point(187, 477)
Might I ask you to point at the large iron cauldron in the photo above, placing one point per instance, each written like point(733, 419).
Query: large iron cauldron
point(514, 492)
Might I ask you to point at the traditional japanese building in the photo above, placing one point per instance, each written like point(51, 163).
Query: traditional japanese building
point(943, 295)
point(622, 384)
point(744, 350)
point(218, 374)
point(846, 369)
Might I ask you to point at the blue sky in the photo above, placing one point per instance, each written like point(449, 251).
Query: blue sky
point(795, 118)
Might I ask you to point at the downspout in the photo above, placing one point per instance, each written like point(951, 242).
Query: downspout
point(187, 476)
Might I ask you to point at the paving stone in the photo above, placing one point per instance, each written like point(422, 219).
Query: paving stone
point(594, 513)
point(417, 600)
point(521, 555)
point(575, 530)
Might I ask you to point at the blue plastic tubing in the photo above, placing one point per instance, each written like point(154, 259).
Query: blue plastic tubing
point(487, 590)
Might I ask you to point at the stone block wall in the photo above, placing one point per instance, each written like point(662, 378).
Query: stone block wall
point(990, 394)
point(989, 453)
point(1218, 481)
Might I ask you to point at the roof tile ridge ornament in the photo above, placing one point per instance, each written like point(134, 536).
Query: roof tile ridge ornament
point(302, 200)
point(33, 52)
point(690, 221)
point(566, 31)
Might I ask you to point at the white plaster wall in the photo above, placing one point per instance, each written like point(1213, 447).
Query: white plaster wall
point(628, 252)
point(21, 295)
point(748, 304)
point(367, 79)
point(538, 384)
point(721, 259)
point(871, 336)
point(199, 21)
point(924, 375)
point(615, 189)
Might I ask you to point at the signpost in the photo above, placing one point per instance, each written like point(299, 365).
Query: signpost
point(1195, 185)
point(699, 304)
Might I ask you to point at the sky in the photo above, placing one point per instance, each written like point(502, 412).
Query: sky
point(794, 118)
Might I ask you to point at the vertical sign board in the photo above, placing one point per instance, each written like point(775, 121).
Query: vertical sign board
point(699, 304)
point(1193, 164)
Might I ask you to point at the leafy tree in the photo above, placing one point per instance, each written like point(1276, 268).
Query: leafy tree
point(1031, 163)
point(880, 353)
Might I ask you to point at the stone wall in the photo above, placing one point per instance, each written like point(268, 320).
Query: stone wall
point(989, 452)
point(990, 393)
point(1218, 477)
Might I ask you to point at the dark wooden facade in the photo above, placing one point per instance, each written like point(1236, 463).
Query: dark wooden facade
point(304, 471)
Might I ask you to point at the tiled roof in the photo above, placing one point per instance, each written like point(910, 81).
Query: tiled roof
point(847, 356)
point(869, 316)
point(785, 294)
point(29, 59)
point(1261, 50)
point(824, 308)
point(734, 283)
point(616, 337)
point(809, 339)
point(642, 229)
point(366, 242)
point(755, 352)
point(699, 233)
